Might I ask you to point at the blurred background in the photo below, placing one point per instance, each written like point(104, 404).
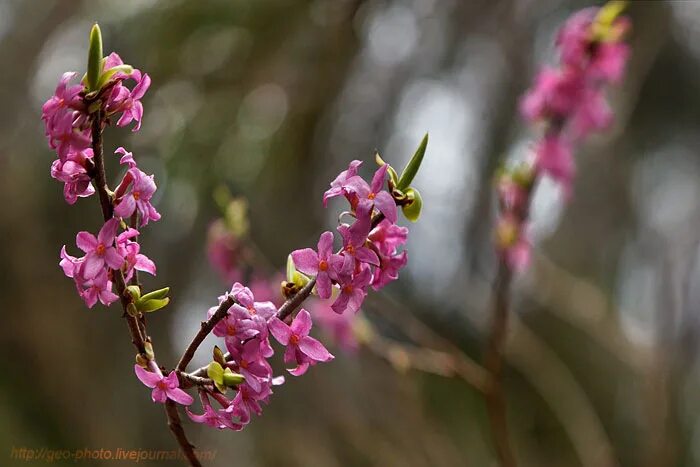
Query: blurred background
point(272, 98)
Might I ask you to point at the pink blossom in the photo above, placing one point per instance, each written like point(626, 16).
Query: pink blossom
point(338, 326)
point(553, 156)
point(133, 194)
point(97, 288)
point(73, 173)
point(167, 387)
point(318, 264)
point(338, 186)
point(352, 289)
point(100, 251)
point(301, 348)
point(373, 194)
point(251, 363)
point(220, 419)
point(131, 252)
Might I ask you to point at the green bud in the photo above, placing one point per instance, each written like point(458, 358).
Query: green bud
point(132, 310)
point(294, 276)
point(134, 291)
point(148, 306)
point(411, 169)
point(156, 294)
point(232, 379)
point(107, 75)
point(149, 350)
point(218, 355)
point(216, 372)
point(94, 66)
point(141, 360)
point(415, 203)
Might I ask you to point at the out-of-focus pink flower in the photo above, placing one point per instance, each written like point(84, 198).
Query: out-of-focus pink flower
point(553, 156)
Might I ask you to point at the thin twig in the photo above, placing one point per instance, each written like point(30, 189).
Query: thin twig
point(179, 433)
point(493, 361)
point(207, 327)
point(137, 338)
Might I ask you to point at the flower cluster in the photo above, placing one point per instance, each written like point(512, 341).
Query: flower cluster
point(569, 103)
point(68, 118)
point(369, 255)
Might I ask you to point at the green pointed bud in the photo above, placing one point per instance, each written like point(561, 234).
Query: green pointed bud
point(216, 372)
point(412, 209)
point(294, 276)
point(150, 355)
point(232, 379)
point(291, 269)
point(94, 66)
point(156, 294)
point(219, 356)
point(134, 291)
point(411, 169)
point(107, 75)
point(148, 306)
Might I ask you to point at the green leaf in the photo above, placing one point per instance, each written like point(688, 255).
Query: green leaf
point(156, 294)
point(411, 169)
point(94, 66)
point(232, 379)
point(148, 306)
point(216, 373)
point(415, 205)
point(107, 75)
point(218, 355)
point(134, 291)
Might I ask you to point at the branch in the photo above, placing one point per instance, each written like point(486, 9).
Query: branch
point(179, 433)
point(137, 338)
point(207, 327)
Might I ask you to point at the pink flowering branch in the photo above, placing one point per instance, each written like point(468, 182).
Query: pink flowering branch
point(569, 103)
point(75, 117)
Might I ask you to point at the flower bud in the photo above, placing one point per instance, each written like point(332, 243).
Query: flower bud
point(94, 65)
point(413, 207)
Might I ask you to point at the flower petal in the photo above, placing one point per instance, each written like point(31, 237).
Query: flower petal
point(280, 330)
point(314, 349)
point(148, 378)
point(306, 261)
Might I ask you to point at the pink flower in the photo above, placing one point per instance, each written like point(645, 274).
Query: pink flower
point(352, 289)
point(355, 238)
point(251, 364)
point(220, 419)
point(248, 400)
point(100, 251)
point(131, 252)
point(133, 194)
point(338, 186)
point(237, 324)
point(608, 62)
point(338, 327)
point(318, 264)
point(66, 99)
point(373, 194)
point(73, 173)
point(130, 104)
point(163, 387)
point(301, 348)
point(555, 95)
point(97, 288)
point(553, 156)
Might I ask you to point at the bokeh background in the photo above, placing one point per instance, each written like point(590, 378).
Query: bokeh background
point(272, 98)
